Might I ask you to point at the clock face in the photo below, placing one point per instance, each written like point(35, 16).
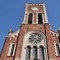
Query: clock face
point(35, 38)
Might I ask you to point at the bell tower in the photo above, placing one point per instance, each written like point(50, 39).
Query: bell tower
point(35, 14)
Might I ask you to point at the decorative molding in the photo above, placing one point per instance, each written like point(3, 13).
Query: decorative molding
point(36, 4)
point(54, 33)
point(12, 35)
point(34, 8)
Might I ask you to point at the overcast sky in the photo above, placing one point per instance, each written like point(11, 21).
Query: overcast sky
point(12, 14)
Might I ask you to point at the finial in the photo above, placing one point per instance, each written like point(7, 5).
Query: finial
point(59, 30)
point(10, 31)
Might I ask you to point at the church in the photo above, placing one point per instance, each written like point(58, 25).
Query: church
point(35, 40)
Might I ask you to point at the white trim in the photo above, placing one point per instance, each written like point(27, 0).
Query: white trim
point(14, 49)
point(36, 18)
point(38, 54)
point(56, 48)
point(33, 19)
point(9, 51)
point(31, 52)
point(25, 20)
point(59, 45)
point(45, 13)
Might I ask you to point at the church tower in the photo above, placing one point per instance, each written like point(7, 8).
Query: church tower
point(35, 40)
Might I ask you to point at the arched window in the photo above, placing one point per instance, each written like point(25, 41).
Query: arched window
point(35, 52)
point(30, 17)
point(12, 48)
point(41, 53)
point(40, 20)
point(28, 52)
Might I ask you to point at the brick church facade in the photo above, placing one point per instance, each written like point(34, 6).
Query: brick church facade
point(35, 40)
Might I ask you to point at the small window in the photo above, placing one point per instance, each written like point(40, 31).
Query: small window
point(11, 49)
point(30, 17)
point(59, 38)
point(58, 49)
point(40, 20)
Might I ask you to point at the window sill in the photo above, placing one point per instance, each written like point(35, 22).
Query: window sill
point(10, 56)
point(58, 56)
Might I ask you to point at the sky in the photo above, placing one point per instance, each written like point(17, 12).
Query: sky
point(12, 15)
